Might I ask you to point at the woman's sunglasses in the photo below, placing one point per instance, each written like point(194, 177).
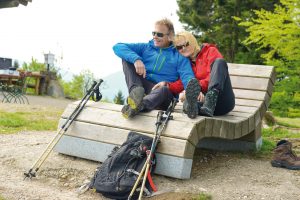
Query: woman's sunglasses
point(159, 34)
point(179, 47)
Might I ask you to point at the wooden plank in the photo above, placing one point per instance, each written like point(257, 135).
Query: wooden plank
point(201, 129)
point(216, 128)
point(245, 109)
point(250, 70)
point(117, 136)
point(248, 102)
point(140, 124)
point(179, 116)
point(209, 122)
point(250, 83)
point(250, 94)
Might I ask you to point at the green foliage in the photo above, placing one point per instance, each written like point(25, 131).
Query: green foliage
point(278, 34)
point(34, 66)
point(203, 196)
point(216, 21)
point(288, 122)
point(119, 98)
point(28, 120)
point(76, 88)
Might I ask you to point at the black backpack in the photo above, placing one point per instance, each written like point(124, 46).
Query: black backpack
point(118, 173)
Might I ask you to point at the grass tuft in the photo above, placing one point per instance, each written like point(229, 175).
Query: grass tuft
point(28, 120)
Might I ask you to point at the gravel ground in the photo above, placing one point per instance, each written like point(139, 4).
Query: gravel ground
point(220, 174)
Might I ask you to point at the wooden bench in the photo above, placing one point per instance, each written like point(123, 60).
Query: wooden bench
point(100, 126)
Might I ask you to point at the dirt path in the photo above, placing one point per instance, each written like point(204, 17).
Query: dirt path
point(222, 175)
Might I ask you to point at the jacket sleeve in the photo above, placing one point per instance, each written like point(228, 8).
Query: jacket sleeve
point(176, 87)
point(212, 55)
point(129, 51)
point(185, 71)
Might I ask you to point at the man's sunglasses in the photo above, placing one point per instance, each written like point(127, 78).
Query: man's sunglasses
point(179, 47)
point(159, 34)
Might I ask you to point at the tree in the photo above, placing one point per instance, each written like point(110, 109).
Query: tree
point(34, 66)
point(119, 98)
point(213, 21)
point(278, 33)
point(76, 88)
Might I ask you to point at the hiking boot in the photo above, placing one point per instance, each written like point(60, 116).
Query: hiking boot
point(192, 92)
point(210, 103)
point(284, 156)
point(128, 112)
point(135, 97)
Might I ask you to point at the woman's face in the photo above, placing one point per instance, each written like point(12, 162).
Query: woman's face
point(184, 47)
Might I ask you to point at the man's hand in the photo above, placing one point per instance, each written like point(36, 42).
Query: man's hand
point(160, 84)
point(140, 68)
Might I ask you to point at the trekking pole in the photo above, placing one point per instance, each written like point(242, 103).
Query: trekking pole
point(36, 166)
point(161, 120)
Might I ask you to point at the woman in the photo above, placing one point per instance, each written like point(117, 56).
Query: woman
point(211, 70)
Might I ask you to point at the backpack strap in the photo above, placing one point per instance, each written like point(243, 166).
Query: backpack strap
point(153, 187)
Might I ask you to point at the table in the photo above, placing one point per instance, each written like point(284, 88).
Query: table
point(13, 86)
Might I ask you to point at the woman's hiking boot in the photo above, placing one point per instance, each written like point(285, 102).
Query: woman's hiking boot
point(210, 103)
point(134, 102)
point(192, 92)
point(284, 156)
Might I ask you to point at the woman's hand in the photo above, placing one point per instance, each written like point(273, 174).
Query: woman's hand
point(182, 96)
point(160, 84)
point(201, 97)
point(140, 68)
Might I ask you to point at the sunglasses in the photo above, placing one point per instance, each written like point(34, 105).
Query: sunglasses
point(159, 34)
point(179, 47)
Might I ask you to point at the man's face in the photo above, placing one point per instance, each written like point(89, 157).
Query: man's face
point(161, 36)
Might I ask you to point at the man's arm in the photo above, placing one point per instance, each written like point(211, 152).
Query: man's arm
point(129, 51)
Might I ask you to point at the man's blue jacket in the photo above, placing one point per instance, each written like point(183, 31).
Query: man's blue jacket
point(162, 64)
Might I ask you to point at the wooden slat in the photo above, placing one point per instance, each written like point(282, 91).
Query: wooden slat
point(250, 94)
point(251, 83)
point(248, 102)
point(115, 136)
point(178, 116)
point(250, 70)
point(141, 124)
point(246, 109)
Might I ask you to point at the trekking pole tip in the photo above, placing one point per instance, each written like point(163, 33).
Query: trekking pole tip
point(29, 174)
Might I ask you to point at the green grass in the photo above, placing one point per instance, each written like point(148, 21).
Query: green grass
point(271, 137)
point(203, 196)
point(1, 197)
point(28, 120)
point(289, 122)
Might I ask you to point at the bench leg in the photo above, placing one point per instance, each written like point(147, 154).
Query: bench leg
point(254, 137)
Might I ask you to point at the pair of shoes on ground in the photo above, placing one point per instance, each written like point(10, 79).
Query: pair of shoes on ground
point(283, 156)
point(134, 103)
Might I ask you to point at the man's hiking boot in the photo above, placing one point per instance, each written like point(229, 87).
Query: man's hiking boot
point(210, 103)
point(284, 156)
point(192, 92)
point(135, 97)
point(129, 113)
point(134, 103)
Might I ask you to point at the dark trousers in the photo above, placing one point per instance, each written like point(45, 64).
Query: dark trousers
point(155, 99)
point(220, 80)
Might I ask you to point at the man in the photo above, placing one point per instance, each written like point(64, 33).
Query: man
point(149, 67)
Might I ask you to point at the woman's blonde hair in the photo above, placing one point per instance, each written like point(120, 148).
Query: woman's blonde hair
point(190, 38)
